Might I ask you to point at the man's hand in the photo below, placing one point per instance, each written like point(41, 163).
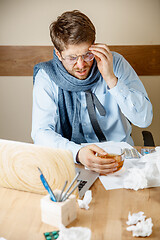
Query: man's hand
point(104, 60)
point(87, 156)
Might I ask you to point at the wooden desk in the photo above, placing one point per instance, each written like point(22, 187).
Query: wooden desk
point(20, 216)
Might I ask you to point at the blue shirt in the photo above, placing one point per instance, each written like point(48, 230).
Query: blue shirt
point(127, 101)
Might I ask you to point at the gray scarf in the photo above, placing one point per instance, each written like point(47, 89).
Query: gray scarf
point(68, 103)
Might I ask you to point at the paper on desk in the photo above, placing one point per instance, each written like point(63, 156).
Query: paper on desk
point(111, 144)
point(117, 179)
point(113, 181)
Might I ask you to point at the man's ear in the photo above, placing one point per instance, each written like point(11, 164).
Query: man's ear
point(58, 54)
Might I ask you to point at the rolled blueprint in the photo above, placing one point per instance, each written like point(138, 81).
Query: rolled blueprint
point(19, 162)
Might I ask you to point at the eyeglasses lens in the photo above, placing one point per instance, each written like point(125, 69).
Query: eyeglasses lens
point(87, 58)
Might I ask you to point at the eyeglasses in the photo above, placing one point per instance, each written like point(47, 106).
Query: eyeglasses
point(71, 60)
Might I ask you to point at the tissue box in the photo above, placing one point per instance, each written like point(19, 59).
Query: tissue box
point(56, 213)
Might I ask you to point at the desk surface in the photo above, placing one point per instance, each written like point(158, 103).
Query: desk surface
point(20, 215)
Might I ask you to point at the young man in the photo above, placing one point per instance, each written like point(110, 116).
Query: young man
point(86, 94)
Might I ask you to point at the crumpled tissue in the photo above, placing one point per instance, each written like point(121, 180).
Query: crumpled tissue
point(151, 172)
point(147, 175)
point(136, 179)
point(153, 159)
point(86, 200)
point(135, 217)
point(142, 228)
point(78, 233)
point(1, 238)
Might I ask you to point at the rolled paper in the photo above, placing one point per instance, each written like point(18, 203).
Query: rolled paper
point(19, 162)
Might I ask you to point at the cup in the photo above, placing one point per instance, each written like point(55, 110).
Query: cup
point(56, 213)
point(115, 153)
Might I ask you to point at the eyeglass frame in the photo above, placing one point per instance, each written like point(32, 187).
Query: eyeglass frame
point(76, 57)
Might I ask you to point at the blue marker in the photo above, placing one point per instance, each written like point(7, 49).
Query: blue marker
point(47, 187)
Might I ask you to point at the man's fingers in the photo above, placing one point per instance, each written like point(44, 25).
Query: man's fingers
point(96, 149)
point(100, 164)
point(104, 171)
point(100, 55)
point(104, 165)
point(88, 157)
point(102, 160)
point(100, 45)
point(101, 48)
point(96, 158)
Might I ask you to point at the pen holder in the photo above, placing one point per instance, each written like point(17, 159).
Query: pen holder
point(56, 213)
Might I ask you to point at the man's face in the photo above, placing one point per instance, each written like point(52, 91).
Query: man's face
point(81, 68)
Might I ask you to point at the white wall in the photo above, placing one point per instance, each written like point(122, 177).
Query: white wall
point(26, 22)
point(16, 108)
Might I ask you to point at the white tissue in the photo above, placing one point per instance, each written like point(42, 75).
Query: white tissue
point(86, 200)
point(152, 157)
point(151, 171)
point(1, 238)
point(147, 175)
point(78, 233)
point(135, 218)
point(135, 180)
point(151, 168)
point(141, 229)
point(157, 149)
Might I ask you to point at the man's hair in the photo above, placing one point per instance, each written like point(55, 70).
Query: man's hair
point(72, 27)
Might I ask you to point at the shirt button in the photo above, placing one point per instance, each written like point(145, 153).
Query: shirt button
point(86, 136)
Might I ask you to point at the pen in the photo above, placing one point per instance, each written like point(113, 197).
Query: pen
point(64, 199)
point(59, 198)
point(75, 178)
point(47, 187)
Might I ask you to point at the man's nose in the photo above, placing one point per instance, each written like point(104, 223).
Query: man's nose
point(80, 62)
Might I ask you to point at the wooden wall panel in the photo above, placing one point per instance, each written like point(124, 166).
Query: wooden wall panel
point(20, 60)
